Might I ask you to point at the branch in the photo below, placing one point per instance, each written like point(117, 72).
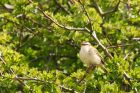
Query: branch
point(36, 79)
point(4, 62)
point(61, 7)
point(101, 13)
point(48, 17)
point(93, 33)
point(103, 47)
point(7, 7)
point(136, 38)
point(52, 55)
point(62, 26)
point(113, 10)
point(97, 8)
point(119, 45)
point(42, 81)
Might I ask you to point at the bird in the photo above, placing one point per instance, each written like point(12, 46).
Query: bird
point(91, 57)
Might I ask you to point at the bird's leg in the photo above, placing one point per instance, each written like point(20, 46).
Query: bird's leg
point(88, 70)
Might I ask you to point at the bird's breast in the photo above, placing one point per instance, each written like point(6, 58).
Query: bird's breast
point(88, 56)
point(84, 54)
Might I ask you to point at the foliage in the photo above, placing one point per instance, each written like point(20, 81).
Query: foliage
point(40, 41)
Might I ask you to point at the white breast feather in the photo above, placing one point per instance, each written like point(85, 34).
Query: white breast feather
point(89, 57)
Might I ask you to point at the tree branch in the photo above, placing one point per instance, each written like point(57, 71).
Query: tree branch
point(113, 10)
point(93, 33)
point(119, 45)
point(97, 8)
point(62, 7)
point(48, 17)
point(87, 15)
point(102, 13)
point(42, 81)
point(103, 47)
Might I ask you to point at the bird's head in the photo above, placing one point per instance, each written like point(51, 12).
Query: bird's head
point(84, 43)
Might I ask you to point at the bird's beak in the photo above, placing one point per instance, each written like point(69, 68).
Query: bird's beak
point(84, 43)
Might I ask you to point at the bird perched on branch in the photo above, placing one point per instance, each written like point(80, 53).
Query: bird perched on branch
point(90, 56)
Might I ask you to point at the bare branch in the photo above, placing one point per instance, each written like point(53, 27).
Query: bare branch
point(103, 47)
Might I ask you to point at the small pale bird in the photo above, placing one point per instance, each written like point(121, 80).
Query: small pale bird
point(90, 56)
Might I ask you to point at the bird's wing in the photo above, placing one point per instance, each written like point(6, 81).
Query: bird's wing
point(96, 52)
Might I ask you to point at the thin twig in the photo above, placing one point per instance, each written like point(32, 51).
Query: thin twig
point(126, 56)
point(137, 39)
point(115, 46)
point(113, 10)
point(100, 11)
point(87, 15)
point(97, 8)
point(84, 91)
point(62, 7)
point(88, 71)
